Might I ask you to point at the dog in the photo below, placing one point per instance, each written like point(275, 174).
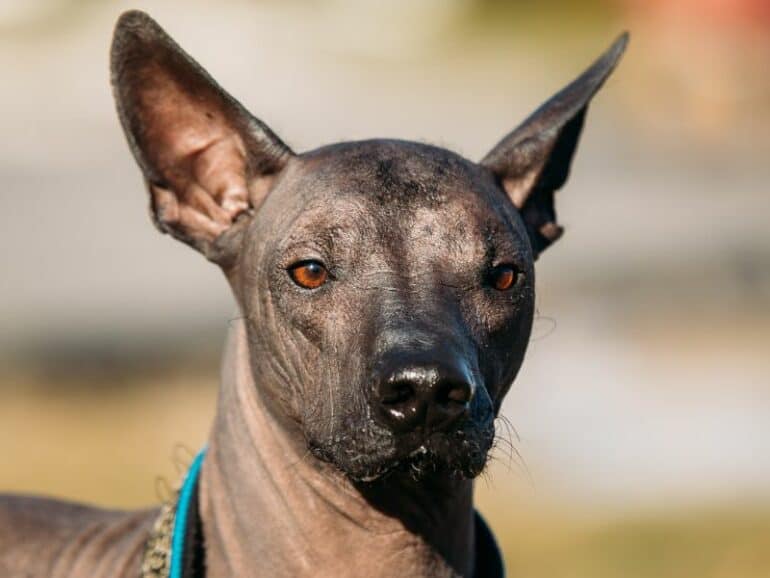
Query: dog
point(386, 295)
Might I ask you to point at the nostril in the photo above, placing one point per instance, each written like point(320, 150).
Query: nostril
point(451, 401)
point(397, 393)
point(401, 404)
point(450, 393)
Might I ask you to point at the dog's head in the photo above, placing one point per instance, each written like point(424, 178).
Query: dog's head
point(387, 286)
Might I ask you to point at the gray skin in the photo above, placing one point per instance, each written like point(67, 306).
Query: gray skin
point(353, 416)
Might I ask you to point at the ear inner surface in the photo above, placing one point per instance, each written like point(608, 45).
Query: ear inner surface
point(205, 158)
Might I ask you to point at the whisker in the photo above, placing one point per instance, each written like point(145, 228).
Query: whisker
point(551, 329)
point(514, 455)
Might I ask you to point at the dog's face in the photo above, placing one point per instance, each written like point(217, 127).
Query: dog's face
point(388, 291)
point(387, 286)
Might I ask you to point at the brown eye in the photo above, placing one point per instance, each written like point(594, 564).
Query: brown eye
point(503, 277)
point(309, 274)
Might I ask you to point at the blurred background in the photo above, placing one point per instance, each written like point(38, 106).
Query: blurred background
point(641, 419)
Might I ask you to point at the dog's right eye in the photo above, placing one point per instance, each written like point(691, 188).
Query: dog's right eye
point(309, 274)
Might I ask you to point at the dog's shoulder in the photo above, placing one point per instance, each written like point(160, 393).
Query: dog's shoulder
point(51, 538)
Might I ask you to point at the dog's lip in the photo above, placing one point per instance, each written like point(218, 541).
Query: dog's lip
point(415, 450)
point(427, 446)
point(420, 450)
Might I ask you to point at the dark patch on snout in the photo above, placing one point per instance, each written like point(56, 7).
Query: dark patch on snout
point(437, 407)
point(428, 412)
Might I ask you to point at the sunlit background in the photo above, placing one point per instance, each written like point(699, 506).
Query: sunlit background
point(641, 420)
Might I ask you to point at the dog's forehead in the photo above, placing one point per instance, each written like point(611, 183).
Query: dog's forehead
point(392, 173)
point(395, 192)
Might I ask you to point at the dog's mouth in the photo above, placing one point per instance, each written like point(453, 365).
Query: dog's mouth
point(458, 454)
point(452, 455)
point(366, 448)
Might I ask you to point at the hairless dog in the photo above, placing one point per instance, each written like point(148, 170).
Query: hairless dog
point(386, 297)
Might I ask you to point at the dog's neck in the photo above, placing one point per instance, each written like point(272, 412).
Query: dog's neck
point(270, 508)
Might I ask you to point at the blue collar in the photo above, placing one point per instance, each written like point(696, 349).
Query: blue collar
point(185, 503)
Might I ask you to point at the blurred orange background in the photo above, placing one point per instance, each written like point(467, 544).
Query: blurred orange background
point(642, 416)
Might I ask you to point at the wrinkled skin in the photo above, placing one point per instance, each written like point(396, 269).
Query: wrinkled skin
point(386, 296)
point(408, 233)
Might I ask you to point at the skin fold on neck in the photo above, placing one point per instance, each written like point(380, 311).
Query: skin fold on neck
point(269, 507)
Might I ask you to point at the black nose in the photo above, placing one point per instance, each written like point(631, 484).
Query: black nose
point(432, 395)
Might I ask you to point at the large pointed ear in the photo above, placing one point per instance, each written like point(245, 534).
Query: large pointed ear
point(533, 161)
point(207, 161)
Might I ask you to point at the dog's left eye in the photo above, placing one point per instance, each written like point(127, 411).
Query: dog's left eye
point(503, 277)
point(309, 274)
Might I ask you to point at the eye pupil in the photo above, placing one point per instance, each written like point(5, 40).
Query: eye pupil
point(308, 274)
point(504, 277)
